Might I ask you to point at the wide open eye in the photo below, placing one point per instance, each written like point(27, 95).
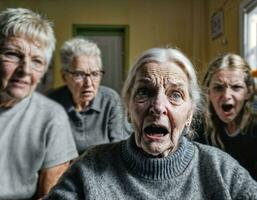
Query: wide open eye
point(176, 97)
point(143, 94)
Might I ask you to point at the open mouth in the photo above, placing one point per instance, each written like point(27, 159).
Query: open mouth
point(227, 107)
point(156, 130)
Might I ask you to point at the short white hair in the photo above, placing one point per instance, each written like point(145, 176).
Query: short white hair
point(22, 22)
point(162, 55)
point(79, 46)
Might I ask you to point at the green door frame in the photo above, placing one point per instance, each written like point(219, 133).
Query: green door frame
point(112, 30)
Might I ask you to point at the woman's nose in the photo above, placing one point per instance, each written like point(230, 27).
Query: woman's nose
point(227, 93)
point(158, 106)
point(87, 80)
point(25, 66)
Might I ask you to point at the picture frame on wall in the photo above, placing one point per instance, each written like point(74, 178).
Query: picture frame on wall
point(217, 24)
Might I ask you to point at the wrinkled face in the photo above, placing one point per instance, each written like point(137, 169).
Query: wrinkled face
point(227, 93)
point(83, 79)
point(159, 107)
point(22, 64)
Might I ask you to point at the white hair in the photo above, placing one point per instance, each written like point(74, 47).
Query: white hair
point(76, 47)
point(162, 55)
point(22, 22)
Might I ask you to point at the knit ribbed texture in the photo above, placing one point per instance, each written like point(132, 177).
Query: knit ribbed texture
point(121, 171)
point(157, 168)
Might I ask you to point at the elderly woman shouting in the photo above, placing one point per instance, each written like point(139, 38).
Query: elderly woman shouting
point(157, 162)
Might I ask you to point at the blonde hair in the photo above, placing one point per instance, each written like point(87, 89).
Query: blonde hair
point(162, 55)
point(212, 121)
point(22, 22)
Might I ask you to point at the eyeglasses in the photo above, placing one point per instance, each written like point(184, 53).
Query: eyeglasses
point(80, 75)
point(15, 57)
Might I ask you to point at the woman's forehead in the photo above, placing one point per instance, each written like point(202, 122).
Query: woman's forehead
point(228, 74)
point(167, 70)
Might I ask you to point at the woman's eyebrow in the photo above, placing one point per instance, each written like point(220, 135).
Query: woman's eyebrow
point(145, 80)
point(237, 82)
point(177, 84)
point(217, 83)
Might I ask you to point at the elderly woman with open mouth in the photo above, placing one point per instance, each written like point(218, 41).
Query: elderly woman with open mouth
point(229, 122)
point(161, 95)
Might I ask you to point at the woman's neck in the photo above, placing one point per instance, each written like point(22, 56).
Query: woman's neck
point(232, 127)
point(80, 106)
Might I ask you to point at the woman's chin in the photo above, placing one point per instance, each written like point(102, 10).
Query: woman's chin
point(156, 150)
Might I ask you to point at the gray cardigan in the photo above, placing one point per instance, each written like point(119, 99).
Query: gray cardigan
point(121, 171)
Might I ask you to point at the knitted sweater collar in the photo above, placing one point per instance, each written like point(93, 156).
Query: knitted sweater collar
point(157, 168)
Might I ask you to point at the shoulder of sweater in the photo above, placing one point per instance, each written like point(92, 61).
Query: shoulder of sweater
point(211, 151)
point(214, 162)
point(214, 156)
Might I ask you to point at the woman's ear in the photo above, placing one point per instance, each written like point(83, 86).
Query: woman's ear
point(190, 115)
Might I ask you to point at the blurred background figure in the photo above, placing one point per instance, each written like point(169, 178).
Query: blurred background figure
point(228, 119)
point(36, 140)
point(95, 111)
point(161, 95)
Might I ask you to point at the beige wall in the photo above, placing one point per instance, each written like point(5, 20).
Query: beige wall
point(230, 40)
point(181, 23)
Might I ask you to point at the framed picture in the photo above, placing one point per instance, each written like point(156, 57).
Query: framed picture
point(217, 24)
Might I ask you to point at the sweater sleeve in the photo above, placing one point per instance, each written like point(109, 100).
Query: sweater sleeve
point(243, 186)
point(223, 173)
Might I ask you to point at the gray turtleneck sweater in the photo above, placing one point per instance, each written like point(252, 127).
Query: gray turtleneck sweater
point(122, 171)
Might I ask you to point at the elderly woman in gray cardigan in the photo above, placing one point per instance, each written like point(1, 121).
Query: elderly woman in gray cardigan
point(161, 95)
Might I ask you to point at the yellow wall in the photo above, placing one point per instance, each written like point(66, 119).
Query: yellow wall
point(181, 23)
point(230, 40)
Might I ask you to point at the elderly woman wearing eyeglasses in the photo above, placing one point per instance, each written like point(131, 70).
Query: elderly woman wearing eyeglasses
point(35, 137)
point(95, 111)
